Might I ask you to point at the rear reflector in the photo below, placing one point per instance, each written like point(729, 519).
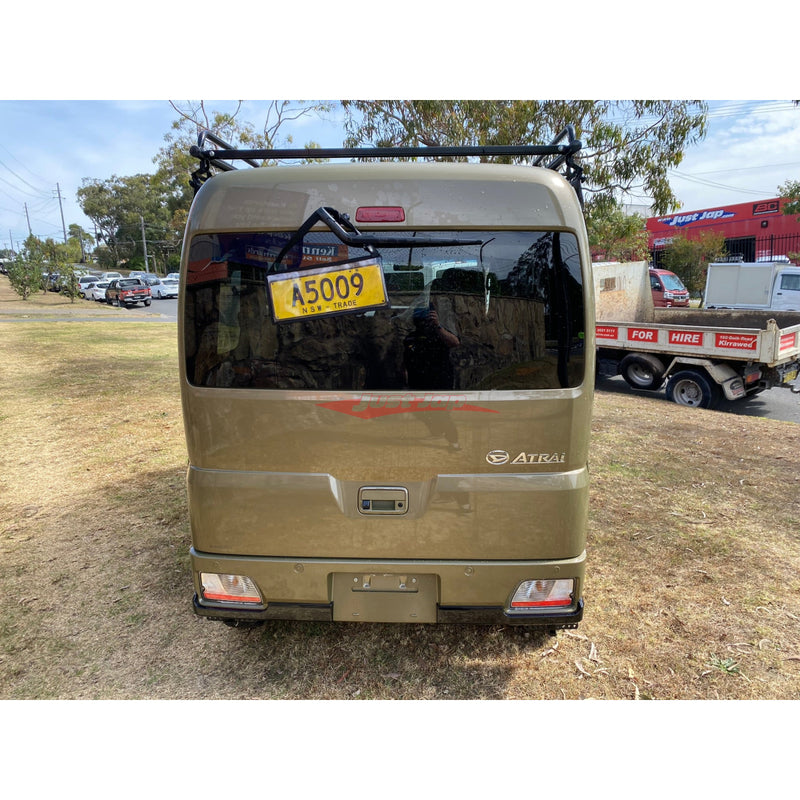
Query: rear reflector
point(531, 595)
point(380, 214)
point(229, 588)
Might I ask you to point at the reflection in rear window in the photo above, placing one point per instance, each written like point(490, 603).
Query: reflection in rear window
point(505, 314)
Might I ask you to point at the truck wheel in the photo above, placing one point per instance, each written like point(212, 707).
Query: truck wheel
point(642, 371)
point(690, 388)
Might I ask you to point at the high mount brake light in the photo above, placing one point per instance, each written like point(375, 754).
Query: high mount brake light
point(380, 214)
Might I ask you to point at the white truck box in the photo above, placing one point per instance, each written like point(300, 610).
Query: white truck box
point(762, 285)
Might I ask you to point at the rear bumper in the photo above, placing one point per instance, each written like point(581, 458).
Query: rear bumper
point(480, 615)
point(460, 592)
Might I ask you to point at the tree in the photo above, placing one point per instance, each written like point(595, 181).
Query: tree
point(689, 258)
point(628, 144)
point(27, 271)
point(174, 164)
point(790, 192)
point(120, 207)
point(24, 276)
point(616, 235)
point(79, 239)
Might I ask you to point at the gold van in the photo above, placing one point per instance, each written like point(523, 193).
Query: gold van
point(387, 374)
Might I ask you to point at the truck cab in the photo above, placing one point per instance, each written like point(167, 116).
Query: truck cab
point(786, 290)
point(668, 289)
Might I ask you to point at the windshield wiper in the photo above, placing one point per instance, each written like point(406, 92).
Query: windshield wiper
point(347, 233)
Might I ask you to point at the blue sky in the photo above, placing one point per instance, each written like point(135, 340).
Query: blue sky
point(752, 147)
point(47, 146)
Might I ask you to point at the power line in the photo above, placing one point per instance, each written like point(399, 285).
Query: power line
point(715, 185)
point(18, 177)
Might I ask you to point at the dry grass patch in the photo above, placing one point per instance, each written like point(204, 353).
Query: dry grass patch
point(692, 578)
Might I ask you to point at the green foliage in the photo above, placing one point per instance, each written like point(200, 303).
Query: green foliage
point(36, 259)
point(790, 191)
point(80, 241)
point(174, 164)
point(118, 206)
point(727, 665)
point(68, 281)
point(25, 276)
point(615, 235)
point(627, 143)
point(689, 258)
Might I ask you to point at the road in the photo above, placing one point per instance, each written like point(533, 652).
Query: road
point(780, 403)
point(158, 311)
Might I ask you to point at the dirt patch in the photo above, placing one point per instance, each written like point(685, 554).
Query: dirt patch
point(692, 575)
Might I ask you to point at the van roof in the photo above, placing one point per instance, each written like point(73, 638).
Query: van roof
point(432, 194)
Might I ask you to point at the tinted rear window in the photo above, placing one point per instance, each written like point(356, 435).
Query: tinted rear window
point(506, 313)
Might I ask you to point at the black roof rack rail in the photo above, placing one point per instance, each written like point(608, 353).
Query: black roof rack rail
point(562, 150)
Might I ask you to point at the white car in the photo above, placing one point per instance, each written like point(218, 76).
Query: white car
point(175, 275)
point(109, 276)
point(168, 287)
point(98, 291)
point(85, 283)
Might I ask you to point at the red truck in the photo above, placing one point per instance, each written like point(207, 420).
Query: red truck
point(668, 289)
point(126, 292)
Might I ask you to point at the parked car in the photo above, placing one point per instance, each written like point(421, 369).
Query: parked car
point(98, 291)
point(110, 276)
point(150, 279)
point(126, 292)
point(85, 283)
point(175, 275)
point(668, 289)
point(168, 287)
point(138, 274)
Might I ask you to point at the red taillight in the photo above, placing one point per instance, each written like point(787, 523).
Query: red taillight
point(380, 214)
point(551, 593)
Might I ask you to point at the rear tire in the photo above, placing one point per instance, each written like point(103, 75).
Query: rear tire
point(642, 371)
point(693, 389)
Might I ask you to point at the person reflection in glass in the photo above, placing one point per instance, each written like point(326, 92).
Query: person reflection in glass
point(428, 368)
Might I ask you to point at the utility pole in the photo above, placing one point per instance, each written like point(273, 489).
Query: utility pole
point(30, 232)
point(63, 226)
point(144, 246)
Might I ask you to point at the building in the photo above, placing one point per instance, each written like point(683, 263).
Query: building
point(752, 230)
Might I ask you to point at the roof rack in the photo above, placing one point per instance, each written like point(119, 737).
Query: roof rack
point(562, 150)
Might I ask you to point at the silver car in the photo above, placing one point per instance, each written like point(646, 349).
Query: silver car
point(168, 287)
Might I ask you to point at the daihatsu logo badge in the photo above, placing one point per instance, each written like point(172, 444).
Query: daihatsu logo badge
point(497, 457)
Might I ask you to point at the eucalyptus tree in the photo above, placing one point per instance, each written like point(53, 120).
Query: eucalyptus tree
point(174, 164)
point(629, 145)
point(120, 207)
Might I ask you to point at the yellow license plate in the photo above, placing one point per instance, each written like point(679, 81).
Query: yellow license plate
point(339, 289)
point(790, 376)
